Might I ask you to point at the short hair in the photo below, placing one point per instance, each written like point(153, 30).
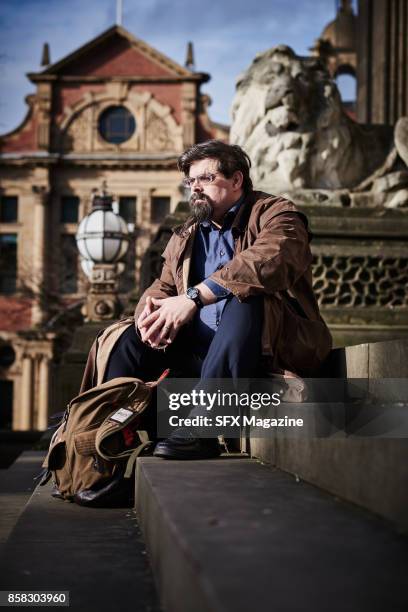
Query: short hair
point(231, 158)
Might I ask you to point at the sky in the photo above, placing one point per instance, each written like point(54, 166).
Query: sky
point(227, 34)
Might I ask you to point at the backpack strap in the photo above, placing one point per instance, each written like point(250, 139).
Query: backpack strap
point(143, 435)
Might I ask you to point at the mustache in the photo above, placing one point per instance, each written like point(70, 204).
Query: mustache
point(203, 211)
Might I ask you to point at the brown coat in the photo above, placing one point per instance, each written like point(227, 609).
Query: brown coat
point(272, 258)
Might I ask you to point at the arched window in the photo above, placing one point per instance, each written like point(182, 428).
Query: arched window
point(116, 124)
point(346, 82)
point(347, 85)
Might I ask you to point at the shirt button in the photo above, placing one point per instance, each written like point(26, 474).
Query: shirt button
point(222, 253)
point(217, 322)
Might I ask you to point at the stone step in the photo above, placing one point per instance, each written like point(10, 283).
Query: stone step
point(232, 535)
point(13, 443)
point(16, 486)
point(97, 555)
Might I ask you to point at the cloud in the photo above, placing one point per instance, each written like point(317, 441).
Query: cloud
point(226, 37)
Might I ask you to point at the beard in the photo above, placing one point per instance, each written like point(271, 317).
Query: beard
point(203, 210)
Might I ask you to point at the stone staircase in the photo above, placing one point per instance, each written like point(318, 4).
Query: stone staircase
point(97, 555)
point(16, 486)
point(236, 533)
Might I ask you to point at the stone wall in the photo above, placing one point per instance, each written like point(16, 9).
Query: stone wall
point(371, 472)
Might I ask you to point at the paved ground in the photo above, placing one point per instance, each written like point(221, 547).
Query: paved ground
point(16, 486)
point(96, 554)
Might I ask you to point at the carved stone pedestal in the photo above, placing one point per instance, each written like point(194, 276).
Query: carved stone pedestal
point(102, 301)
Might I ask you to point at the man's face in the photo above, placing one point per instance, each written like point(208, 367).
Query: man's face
point(208, 199)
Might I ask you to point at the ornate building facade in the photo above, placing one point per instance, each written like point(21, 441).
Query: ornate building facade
point(116, 111)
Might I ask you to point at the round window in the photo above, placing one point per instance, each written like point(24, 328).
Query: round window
point(116, 124)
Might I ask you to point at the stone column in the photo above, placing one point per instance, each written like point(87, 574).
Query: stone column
point(39, 251)
point(144, 232)
point(382, 95)
point(43, 393)
point(189, 109)
point(44, 94)
point(26, 394)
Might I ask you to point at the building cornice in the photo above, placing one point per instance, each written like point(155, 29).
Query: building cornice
point(197, 77)
point(96, 160)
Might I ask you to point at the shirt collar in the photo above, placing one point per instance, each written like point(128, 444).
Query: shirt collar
point(228, 217)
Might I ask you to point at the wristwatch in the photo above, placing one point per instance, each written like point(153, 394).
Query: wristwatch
point(193, 294)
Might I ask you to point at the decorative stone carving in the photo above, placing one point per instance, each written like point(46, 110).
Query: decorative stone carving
point(287, 115)
point(157, 135)
point(365, 280)
point(156, 128)
point(388, 185)
point(102, 300)
point(401, 138)
point(77, 135)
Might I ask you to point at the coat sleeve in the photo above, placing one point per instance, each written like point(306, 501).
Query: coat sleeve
point(279, 255)
point(162, 287)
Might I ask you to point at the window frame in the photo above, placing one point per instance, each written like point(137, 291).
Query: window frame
point(152, 208)
point(122, 136)
point(7, 275)
point(5, 196)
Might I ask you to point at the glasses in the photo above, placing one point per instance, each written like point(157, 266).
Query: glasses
point(203, 179)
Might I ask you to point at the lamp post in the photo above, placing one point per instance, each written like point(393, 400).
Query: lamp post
point(102, 240)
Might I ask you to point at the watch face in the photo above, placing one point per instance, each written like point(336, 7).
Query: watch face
point(192, 292)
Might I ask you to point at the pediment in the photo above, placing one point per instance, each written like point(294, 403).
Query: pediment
point(116, 53)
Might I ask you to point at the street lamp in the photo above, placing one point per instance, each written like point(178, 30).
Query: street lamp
point(102, 240)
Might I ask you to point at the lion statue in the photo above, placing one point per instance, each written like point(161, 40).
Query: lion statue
point(288, 116)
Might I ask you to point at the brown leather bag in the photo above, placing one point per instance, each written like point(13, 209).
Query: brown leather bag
point(93, 451)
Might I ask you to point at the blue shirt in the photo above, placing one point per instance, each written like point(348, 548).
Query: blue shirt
point(212, 249)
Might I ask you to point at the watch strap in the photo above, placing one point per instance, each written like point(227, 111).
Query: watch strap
point(196, 298)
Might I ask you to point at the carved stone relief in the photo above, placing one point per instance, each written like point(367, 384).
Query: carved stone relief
point(156, 128)
point(157, 134)
point(77, 135)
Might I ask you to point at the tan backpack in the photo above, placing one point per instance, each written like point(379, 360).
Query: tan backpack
point(93, 451)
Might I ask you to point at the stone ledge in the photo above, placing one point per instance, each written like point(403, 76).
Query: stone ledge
point(230, 534)
point(369, 472)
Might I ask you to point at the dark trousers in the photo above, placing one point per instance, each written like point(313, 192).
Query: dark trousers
point(234, 351)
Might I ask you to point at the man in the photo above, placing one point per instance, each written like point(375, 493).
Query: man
point(235, 289)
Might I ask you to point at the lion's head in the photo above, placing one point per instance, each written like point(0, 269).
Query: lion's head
point(288, 116)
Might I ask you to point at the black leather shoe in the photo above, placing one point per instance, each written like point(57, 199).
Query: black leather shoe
point(184, 445)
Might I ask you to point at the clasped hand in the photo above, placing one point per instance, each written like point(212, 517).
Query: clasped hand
point(161, 319)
